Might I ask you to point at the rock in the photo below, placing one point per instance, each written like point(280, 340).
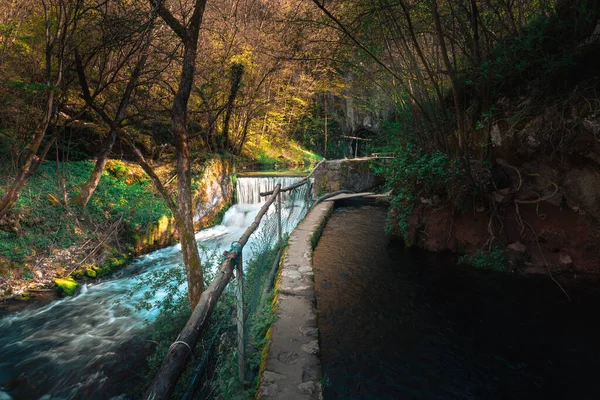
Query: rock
point(312, 347)
point(535, 270)
point(355, 175)
point(293, 275)
point(287, 357)
point(269, 390)
point(565, 259)
point(582, 188)
point(518, 247)
point(496, 136)
point(307, 387)
point(309, 331)
point(66, 286)
point(270, 377)
point(90, 273)
point(503, 196)
point(517, 254)
point(23, 296)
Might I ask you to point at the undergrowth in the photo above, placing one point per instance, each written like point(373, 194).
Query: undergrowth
point(494, 260)
point(413, 173)
point(46, 223)
point(275, 153)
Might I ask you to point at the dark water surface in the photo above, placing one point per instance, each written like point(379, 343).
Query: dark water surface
point(404, 324)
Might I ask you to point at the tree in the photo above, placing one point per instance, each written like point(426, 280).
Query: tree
point(188, 33)
point(60, 22)
point(130, 43)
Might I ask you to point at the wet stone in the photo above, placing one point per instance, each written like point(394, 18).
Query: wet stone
point(305, 269)
point(307, 387)
point(293, 275)
point(288, 357)
point(311, 348)
point(309, 373)
point(269, 376)
point(309, 331)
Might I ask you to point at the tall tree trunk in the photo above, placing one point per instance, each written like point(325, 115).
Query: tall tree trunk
point(189, 35)
point(458, 109)
point(86, 192)
point(189, 247)
point(12, 195)
point(237, 70)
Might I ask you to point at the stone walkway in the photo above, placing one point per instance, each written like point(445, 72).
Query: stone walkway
point(292, 368)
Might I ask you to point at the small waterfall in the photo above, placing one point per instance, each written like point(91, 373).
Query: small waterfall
point(248, 189)
point(86, 346)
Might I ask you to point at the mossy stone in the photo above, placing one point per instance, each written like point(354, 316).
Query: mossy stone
point(90, 273)
point(23, 296)
point(78, 274)
point(66, 286)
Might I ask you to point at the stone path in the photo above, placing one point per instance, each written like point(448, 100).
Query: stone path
point(292, 368)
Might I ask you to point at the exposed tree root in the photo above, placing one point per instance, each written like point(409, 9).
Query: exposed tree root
point(535, 235)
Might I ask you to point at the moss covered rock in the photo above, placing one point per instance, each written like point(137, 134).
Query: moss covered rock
point(90, 273)
point(23, 296)
point(67, 287)
point(78, 274)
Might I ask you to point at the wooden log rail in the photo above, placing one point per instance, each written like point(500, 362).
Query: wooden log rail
point(174, 362)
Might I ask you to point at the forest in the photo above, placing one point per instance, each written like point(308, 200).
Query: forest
point(121, 119)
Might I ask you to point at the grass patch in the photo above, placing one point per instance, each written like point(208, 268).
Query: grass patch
point(275, 153)
point(494, 260)
point(122, 193)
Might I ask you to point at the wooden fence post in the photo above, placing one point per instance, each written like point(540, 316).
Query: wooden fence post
point(279, 232)
point(239, 295)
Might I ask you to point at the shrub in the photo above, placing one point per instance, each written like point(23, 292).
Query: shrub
point(494, 260)
point(415, 172)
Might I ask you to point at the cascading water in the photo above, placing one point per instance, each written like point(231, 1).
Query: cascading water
point(86, 346)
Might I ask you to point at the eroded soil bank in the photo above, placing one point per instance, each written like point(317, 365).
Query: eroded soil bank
point(405, 323)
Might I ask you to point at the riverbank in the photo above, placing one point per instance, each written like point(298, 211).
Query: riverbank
point(56, 244)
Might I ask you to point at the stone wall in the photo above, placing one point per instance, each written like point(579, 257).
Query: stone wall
point(349, 174)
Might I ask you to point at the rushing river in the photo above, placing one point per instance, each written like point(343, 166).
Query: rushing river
point(86, 347)
point(406, 324)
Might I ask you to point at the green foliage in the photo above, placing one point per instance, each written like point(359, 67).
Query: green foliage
point(494, 260)
point(31, 87)
point(45, 225)
point(27, 274)
point(275, 153)
point(117, 168)
point(415, 172)
point(310, 132)
point(544, 49)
